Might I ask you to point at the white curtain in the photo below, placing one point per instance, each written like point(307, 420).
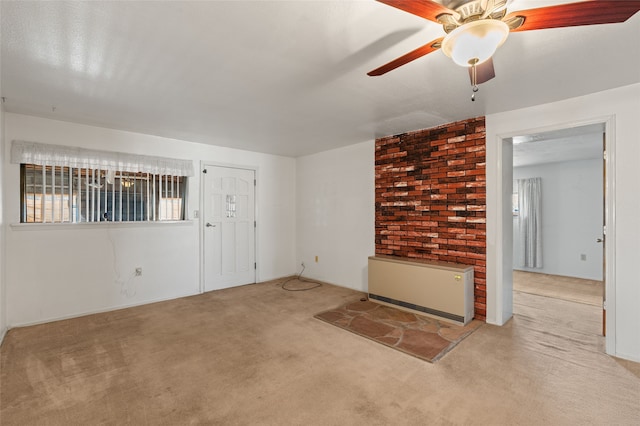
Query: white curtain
point(530, 227)
point(41, 154)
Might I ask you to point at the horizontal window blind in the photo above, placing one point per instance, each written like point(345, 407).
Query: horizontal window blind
point(117, 187)
point(72, 195)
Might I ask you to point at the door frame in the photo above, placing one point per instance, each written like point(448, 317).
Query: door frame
point(201, 228)
point(499, 260)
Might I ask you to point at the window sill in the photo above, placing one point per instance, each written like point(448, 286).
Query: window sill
point(97, 225)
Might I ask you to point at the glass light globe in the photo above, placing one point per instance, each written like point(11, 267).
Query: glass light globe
point(475, 42)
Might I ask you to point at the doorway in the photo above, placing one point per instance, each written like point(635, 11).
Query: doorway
point(228, 227)
point(569, 217)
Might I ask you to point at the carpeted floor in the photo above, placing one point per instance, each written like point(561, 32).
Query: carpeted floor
point(559, 287)
point(417, 335)
point(255, 355)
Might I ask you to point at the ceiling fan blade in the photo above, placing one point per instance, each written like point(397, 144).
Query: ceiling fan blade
point(589, 12)
point(423, 8)
point(405, 59)
point(484, 72)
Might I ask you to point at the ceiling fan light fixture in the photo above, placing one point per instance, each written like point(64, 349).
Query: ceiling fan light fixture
point(475, 42)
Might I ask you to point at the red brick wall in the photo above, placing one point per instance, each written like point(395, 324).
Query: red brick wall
point(431, 197)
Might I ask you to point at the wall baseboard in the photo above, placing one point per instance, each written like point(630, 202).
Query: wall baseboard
point(627, 357)
point(3, 333)
point(110, 309)
point(100, 311)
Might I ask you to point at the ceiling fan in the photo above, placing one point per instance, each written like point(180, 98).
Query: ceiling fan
point(476, 28)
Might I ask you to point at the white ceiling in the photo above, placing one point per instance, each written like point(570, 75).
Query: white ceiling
point(283, 77)
point(572, 144)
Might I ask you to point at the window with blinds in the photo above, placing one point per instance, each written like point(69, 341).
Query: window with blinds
point(58, 194)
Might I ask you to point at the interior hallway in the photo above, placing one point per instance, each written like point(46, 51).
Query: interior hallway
point(255, 355)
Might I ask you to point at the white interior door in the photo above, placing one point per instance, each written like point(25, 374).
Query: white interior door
point(229, 231)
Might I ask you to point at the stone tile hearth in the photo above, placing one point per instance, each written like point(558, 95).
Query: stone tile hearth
point(420, 336)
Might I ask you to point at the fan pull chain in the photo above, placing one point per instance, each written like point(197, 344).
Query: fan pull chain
point(474, 79)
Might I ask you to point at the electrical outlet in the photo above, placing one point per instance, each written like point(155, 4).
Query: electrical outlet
point(316, 259)
point(138, 271)
point(583, 257)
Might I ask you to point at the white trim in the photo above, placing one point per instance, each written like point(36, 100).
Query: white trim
point(201, 166)
point(610, 239)
point(256, 176)
point(496, 265)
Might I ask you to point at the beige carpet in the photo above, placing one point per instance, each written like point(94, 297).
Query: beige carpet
point(417, 335)
point(559, 287)
point(255, 355)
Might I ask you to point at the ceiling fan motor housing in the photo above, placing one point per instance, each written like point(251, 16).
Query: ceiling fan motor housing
point(471, 10)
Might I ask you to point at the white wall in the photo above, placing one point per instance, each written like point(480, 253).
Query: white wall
point(620, 109)
point(335, 214)
point(57, 271)
point(571, 218)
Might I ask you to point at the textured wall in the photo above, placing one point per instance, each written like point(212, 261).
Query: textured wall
point(431, 197)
